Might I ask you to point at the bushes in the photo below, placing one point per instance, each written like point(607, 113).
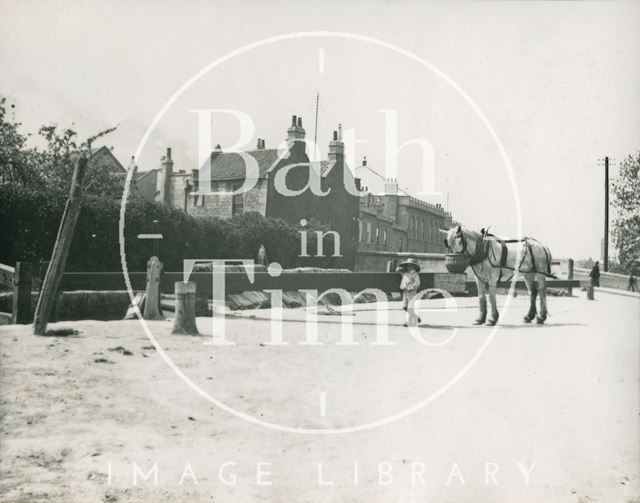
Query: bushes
point(29, 221)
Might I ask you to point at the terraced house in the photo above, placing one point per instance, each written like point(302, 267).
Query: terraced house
point(391, 221)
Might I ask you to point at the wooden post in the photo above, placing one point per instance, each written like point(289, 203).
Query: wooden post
point(570, 276)
point(152, 294)
point(605, 261)
point(39, 282)
point(22, 281)
point(184, 322)
point(590, 290)
point(53, 278)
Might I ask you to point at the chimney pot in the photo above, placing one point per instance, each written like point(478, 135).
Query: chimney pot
point(364, 161)
point(259, 145)
point(299, 121)
point(335, 136)
point(293, 120)
point(168, 152)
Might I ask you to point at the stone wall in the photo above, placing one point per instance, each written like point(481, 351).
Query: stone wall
point(218, 205)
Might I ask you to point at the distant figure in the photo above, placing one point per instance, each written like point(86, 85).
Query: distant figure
point(410, 285)
point(632, 282)
point(595, 275)
point(262, 255)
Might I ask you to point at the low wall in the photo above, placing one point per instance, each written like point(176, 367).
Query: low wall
point(79, 305)
point(378, 261)
point(607, 279)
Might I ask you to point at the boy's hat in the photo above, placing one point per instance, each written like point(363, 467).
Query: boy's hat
point(411, 261)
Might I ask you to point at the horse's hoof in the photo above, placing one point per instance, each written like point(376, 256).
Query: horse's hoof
point(478, 322)
point(491, 323)
point(526, 319)
point(539, 320)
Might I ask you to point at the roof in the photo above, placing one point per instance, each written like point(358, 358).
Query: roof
point(99, 151)
point(231, 165)
point(325, 167)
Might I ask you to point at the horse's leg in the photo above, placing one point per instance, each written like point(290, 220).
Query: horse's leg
point(542, 284)
point(482, 301)
point(532, 287)
point(494, 276)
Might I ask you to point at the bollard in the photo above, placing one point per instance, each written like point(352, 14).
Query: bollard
point(185, 320)
point(152, 294)
point(590, 295)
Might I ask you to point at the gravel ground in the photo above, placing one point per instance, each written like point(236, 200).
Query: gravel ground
point(559, 403)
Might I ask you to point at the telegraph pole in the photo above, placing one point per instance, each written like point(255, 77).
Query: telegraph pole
point(315, 133)
point(605, 264)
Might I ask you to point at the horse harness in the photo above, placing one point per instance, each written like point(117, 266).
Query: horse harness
point(482, 252)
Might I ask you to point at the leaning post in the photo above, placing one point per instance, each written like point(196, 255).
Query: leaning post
point(53, 278)
point(184, 322)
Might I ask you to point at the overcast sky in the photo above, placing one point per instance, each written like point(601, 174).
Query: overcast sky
point(558, 82)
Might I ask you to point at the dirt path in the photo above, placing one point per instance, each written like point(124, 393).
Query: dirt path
point(559, 403)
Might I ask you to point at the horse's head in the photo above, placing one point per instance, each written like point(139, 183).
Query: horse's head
point(454, 240)
point(459, 240)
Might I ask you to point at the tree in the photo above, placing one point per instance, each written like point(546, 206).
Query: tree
point(626, 200)
point(16, 160)
point(48, 169)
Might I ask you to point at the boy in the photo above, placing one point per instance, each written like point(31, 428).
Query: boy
point(410, 285)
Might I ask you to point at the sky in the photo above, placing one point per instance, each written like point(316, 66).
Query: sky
point(557, 84)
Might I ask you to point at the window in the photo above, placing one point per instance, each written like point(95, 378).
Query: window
point(377, 235)
point(360, 231)
point(384, 237)
point(237, 203)
point(368, 232)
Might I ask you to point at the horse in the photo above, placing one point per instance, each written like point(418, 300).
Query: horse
point(489, 256)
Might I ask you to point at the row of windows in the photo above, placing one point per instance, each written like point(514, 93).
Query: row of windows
point(370, 235)
point(421, 228)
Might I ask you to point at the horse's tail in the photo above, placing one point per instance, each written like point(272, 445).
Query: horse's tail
point(549, 260)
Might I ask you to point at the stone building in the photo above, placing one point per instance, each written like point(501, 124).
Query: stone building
point(392, 221)
point(338, 209)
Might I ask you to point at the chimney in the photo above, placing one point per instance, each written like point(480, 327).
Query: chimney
point(214, 153)
point(295, 131)
point(364, 161)
point(164, 184)
point(391, 187)
point(195, 178)
point(336, 147)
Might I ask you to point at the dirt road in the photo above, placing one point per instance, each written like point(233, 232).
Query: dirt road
point(546, 413)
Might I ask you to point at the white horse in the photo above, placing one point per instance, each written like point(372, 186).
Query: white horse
point(492, 258)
